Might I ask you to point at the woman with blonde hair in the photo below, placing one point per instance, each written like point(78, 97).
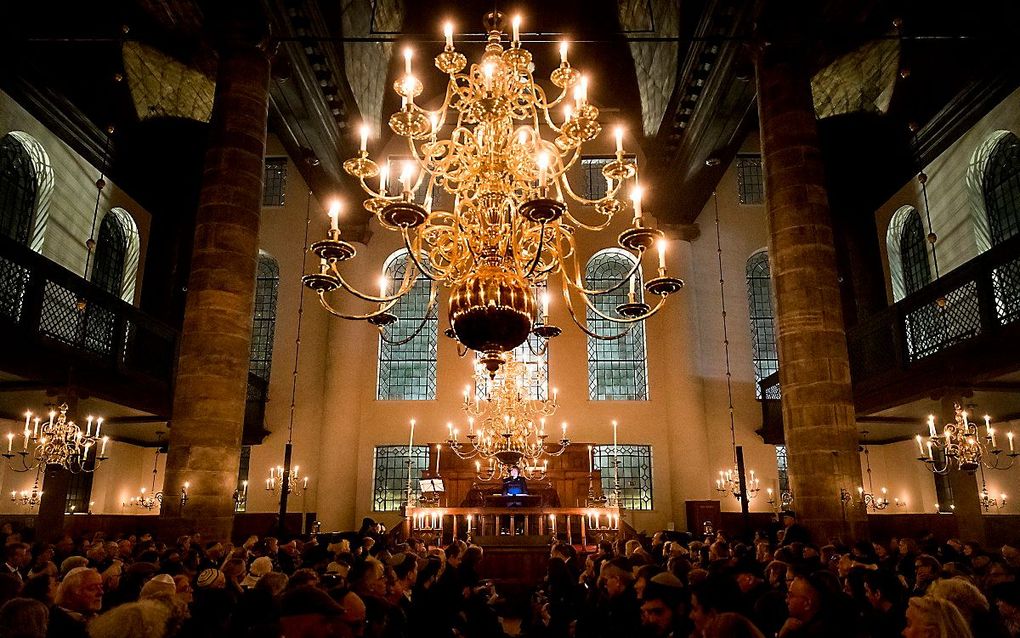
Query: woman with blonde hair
point(971, 603)
point(931, 617)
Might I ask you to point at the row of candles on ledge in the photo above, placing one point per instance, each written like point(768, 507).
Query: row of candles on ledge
point(430, 521)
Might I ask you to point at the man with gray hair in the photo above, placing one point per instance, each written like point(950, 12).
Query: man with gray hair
point(79, 598)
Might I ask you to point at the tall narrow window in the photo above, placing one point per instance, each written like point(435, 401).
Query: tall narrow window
point(907, 248)
point(594, 184)
point(616, 368)
point(263, 328)
point(111, 254)
point(763, 334)
point(408, 347)
point(274, 190)
point(635, 474)
point(17, 190)
point(750, 183)
point(782, 469)
point(241, 504)
point(391, 474)
point(79, 493)
point(1001, 185)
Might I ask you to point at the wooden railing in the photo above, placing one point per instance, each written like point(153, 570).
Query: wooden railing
point(54, 319)
point(902, 352)
point(587, 525)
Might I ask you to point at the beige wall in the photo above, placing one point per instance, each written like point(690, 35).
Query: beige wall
point(73, 200)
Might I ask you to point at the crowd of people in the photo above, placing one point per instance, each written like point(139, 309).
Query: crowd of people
point(369, 584)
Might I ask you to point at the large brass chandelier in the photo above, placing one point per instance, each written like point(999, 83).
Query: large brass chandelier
point(961, 446)
point(500, 149)
point(505, 427)
point(57, 441)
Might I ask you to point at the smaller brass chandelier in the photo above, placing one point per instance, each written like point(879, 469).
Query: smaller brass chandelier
point(988, 502)
point(152, 499)
point(868, 498)
point(504, 426)
point(241, 497)
point(729, 483)
point(296, 485)
point(961, 446)
point(779, 502)
point(57, 441)
point(29, 498)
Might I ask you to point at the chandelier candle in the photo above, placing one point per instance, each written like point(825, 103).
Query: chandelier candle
point(515, 216)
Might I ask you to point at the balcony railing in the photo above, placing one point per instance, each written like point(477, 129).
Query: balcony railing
point(906, 350)
point(53, 318)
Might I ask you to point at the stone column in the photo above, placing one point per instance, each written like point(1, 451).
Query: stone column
point(212, 368)
point(814, 368)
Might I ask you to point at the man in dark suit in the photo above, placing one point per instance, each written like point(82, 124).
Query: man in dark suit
point(17, 557)
point(515, 485)
point(794, 532)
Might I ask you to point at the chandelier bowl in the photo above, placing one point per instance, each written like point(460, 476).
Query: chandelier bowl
point(492, 310)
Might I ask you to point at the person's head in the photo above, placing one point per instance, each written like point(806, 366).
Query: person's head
point(710, 597)
point(303, 577)
point(17, 554)
point(81, 591)
point(970, 548)
point(642, 577)
point(930, 617)
point(514, 471)
point(616, 576)
point(308, 612)
point(354, 611)
point(1007, 600)
point(789, 518)
point(883, 589)
point(880, 549)
point(143, 619)
point(926, 568)
point(24, 618)
point(405, 572)
point(731, 625)
point(962, 593)
point(183, 588)
point(210, 579)
point(41, 587)
point(273, 582)
point(455, 553)
point(908, 546)
point(748, 575)
point(234, 570)
point(368, 578)
point(804, 598)
point(775, 574)
point(658, 608)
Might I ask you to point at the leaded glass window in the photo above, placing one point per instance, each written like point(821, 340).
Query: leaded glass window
point(783, 469)
point(263, 328)
point(407, 347)
point(241, 504)
point(635, 473)
point(1002, 189)
point(763, 334)
point(391, 475)
point(750, 183)
point(616, 368)
point(17, 190)
point(111, 251)
point(914, 254)
point(274, 190)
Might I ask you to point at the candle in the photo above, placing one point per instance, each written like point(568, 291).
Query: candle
point(410, 440)
point(244, 487)
point(614, 434)
point(434, 120)
point(581, 92)
point(439, 451)
point(407, 60)
point(488, 70)
point(455, 433)
point(88, 426)
point(929, 451)
point(27, 432)
point(384, 174)
point(448, 32)
point(516, 24)
point(383, 285)
point(10, 441)
point(991, 433)
point(630, 294)
point(552, 521)
point(543, 164)
point(1009, 435)
point(564, 45)
point(564, 430)
point(106, 440)
point(364, 137)
point(635, 196)
point(931, 426)
point(471, 424)
point(478, 467)
point(568, 112)
point(661, 245)
point(35, 430)
point(334, 216)
point(556, 392)
point(449, 429)
point(407, 176)
point(545, 306)
point(920, 447)
point(619, 140)
point(591, 461)
point(28, 418)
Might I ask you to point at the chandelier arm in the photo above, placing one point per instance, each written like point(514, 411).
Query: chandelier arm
point(584, 201)
point(594, 293)
point(642, 317)
point(405, 287)
point(336, 313)
point(430, 313)
point(584, 328)
point(538, 253)
point(413, 254)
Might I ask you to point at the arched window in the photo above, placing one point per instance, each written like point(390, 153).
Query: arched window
point(760, 314)
point(907, 248)
point(1001, 189)
point(26, 183)
point(616, 369)
point(263, 329)
point(407, 347)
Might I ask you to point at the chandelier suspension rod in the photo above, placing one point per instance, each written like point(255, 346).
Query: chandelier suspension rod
point(726, 338)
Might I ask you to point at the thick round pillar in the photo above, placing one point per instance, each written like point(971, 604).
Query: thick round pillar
point(814, 368)
point(212, 368)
